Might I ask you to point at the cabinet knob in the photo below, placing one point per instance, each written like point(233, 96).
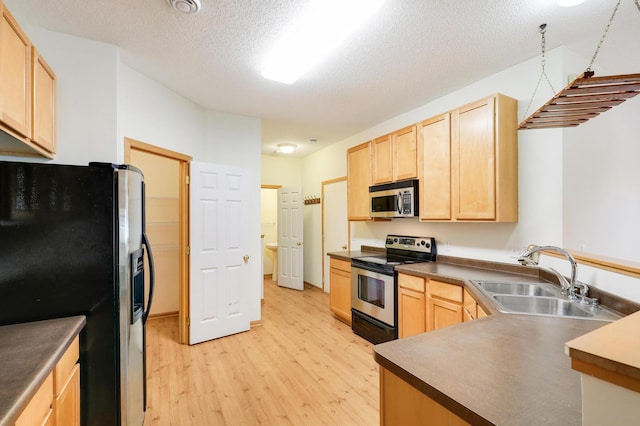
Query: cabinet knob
point(246, 257)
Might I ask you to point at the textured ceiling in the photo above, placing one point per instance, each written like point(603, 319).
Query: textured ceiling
point(409, 53)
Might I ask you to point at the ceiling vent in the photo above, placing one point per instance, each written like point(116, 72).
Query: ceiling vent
point(188, 7)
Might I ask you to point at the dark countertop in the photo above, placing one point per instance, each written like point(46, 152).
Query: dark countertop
point(505, 369)
point(498, 370)
point(28, 353)
point(348, 255)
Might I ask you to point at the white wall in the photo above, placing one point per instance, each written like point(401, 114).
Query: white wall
point(283, 171)
point(151, 113)
point(554, 167)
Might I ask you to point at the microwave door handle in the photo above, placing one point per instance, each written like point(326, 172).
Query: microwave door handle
point(399, 202)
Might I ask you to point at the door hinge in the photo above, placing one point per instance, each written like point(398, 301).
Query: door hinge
point(188, 322)
point(187, 250)
point(187, 180)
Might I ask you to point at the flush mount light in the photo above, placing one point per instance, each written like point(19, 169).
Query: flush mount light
point(286, 148)
point(569, 3)
point(327, 23)
point(188, 7)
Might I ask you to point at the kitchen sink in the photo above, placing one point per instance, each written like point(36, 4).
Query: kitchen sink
point(542, 306)
point(523, 289)
point(543, 299)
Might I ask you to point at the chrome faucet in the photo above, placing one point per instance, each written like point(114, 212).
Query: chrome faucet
point(531, 258)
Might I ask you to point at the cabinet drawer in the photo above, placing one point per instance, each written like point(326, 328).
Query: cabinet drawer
point(445, 291)
point(411, 282)
point(343, 265)
point(39, 407)
point(65, 366)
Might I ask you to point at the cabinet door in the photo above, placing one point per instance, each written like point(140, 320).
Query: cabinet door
point(358, 181)
point(340, 294)
point(404, 143)
point(403, 404)
point(443, 314)
point(15, 76)
point(481, 312)
point(67, 404)
point(473, 161)
point(411, 312)
point(382, 160)
point(434, 167)
point(38, 410)
point(43, 103)
point(469, 307)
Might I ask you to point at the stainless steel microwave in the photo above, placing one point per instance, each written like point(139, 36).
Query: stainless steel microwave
point(397, 199)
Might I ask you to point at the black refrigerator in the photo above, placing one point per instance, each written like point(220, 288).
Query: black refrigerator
point(72, 242)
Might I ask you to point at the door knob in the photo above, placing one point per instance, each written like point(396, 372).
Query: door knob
point(246, 257)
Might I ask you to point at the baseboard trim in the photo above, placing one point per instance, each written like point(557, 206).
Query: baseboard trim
point(164, 315)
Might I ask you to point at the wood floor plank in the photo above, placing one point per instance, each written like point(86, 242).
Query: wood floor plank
point(300, 366)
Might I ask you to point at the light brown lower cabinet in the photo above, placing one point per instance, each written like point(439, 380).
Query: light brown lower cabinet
point(471, 309)
point(340, 289)
point(427, 305)
point(402, 404)
point(57, 402)
point(412, 306)
point(444, 305)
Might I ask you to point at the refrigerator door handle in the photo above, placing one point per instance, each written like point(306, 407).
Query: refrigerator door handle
point(152, 276)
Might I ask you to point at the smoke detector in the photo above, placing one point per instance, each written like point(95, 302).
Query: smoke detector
point(188, 7)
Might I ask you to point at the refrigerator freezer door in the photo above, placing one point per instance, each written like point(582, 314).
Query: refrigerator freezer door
point(130, 211)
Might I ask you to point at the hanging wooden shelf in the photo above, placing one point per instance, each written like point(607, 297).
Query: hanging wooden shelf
point(583, 99)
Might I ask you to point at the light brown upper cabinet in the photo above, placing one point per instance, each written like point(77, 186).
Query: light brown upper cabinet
point(44, 103)
point(15, 77)
point(405, 145)
point(481, 148)
point(382, 170)
point(434, 164)
point(27, 94)
point(358, 181)
point(394, 156)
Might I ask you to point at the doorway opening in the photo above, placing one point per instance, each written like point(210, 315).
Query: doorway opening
point(167, 223)
point(269, 231)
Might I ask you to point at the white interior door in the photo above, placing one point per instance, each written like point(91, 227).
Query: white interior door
point(219, 238)
point(290, 242)
point(336, 224)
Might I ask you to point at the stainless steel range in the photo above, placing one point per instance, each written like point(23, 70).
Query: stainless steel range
point(374, 290)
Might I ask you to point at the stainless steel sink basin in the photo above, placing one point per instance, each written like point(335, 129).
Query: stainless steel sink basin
point(542, 306)
point(524, 289)
point(543, 299)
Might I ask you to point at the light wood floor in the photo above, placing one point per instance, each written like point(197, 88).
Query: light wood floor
point(300, 367)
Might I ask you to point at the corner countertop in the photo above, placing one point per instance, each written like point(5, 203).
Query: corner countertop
point(504, 369)
point(498, 370)
point(28, 353)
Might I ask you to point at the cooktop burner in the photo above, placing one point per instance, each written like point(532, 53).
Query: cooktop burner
point(400, 250)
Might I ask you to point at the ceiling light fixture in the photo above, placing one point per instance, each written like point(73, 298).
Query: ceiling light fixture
point(189, 7)
point(327, 24)
point(286, 148)
point(569, 3)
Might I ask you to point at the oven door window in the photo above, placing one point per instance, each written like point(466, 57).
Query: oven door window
point(371, 290)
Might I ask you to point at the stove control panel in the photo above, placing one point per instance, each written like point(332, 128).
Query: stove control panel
point(422, 244)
